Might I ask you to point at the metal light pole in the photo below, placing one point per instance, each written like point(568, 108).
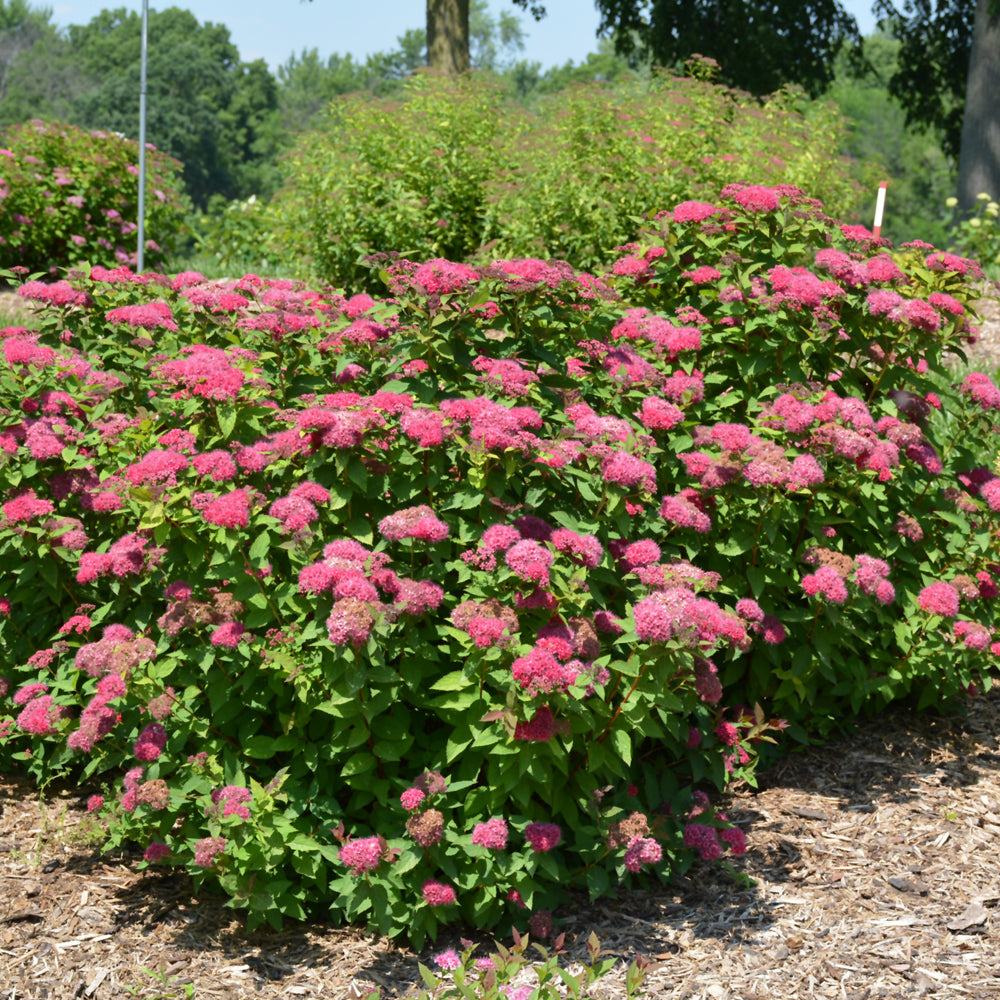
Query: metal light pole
point(142, 143)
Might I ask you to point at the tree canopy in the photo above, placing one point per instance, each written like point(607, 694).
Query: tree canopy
point(759, 44)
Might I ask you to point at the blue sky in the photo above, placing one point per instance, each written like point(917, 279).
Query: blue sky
point(274, 29)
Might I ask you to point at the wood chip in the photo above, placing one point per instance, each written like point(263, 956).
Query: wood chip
point(973, 915)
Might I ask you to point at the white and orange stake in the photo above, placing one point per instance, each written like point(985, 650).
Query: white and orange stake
point(879, 208)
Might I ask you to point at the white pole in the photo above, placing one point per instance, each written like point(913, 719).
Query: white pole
point(879, 209)
point(142, 144)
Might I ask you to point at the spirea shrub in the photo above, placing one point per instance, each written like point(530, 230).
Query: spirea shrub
point(455, 166)
point(67, 195)
point(438, 606)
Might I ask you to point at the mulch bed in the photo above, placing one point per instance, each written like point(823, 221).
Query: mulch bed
point(874, 859)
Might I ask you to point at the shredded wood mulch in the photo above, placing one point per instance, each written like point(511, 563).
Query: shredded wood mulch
point(873, 863)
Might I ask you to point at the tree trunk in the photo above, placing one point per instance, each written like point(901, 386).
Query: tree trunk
point(979, 158)
point(448, 36)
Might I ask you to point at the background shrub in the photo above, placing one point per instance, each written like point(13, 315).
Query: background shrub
point(454, 168)
point(69, 195)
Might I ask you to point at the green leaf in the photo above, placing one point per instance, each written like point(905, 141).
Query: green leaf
point(455, 681)
point(621, 744)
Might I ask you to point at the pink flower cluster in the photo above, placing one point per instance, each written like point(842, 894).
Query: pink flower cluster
point(492, 834)
point(827, 583)
point(642, 851)
point(543, 837)
point(939, 598)
point(419, 523)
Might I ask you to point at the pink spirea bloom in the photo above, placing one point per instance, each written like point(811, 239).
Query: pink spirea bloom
point(146, 315)
point(530, 561)
point(233, 799)
point(350, 622)
point(694, 211)
point(231, 510)
point(216, 464)
point(706, 681)
point(645, 552)
point(38, 716)
point(702, 275)
point(869, 572)
point(228, 634)
point(111, 686)
point(939, 598)
point(973, 635)
point(492, 834)
point(727, 734)
point(499, 537)
point(411, 799)
point(94, 803)
point(413, 522)
point(156, 851)
point(735, 838)
point(150, 742)
point(29, 691)
point(442, 277)
point(921, 315)
point(207, 850)
point(731, 437)
point(583, 549)
point(642, 851)
point(749, 609)
point(704, 840)
point(26, 507)
point(437, 893)
point(981, 388)
point(825, 582)
point(756, 198)
point(448, 960)
point(772, 631)
point(540, 672)
point(623, 469)
point(539, 729)
point(542, 836)
point(362, 855)
point(660, 415)
point(684, 511)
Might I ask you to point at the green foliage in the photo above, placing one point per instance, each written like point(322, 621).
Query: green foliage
point(910, 157)
point(933, 66)
point(71, 196)
point(454, 169)
point(978, 236)
point(760, 47)
point(412, 176)
point(492, 978)
point(236, 238)
point(454, 602)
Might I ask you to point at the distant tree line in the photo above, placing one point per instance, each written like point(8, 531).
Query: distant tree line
point(227, 120)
